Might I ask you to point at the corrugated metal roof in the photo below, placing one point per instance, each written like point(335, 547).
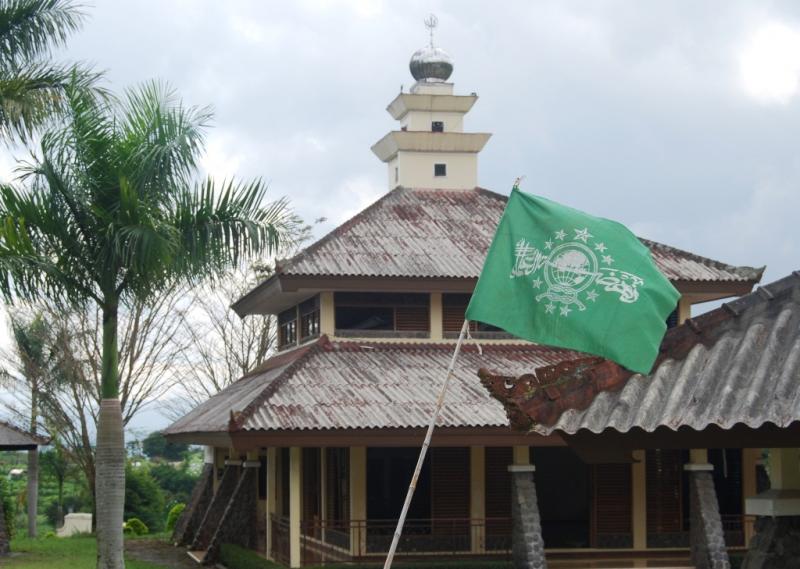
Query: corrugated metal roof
point(739, 364)
point(341, 385)
point(446, 234)
point(14, 438)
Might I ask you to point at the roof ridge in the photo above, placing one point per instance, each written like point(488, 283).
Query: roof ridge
point(477, 346)
point(237, 420)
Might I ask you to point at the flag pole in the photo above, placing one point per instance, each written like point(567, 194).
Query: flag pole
point(424, 450)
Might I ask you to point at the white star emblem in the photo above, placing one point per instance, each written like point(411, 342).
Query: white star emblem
point(583, 234)
point(608, 259)
point(550, 308)
point(565, 310)
point(592, 295)
point(600, 247)
point(537, 283)
point(560, 234)
point(548, 244)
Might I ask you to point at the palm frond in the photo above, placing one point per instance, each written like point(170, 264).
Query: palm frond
point(31, 28)
point(33, 96)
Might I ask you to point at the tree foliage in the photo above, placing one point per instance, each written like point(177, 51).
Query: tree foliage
point(144, 498)
point(31, 86)
point(155, 445)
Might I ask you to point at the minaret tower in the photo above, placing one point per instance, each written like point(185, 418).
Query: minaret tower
point(431, 149)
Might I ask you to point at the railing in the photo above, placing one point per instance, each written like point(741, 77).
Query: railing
point(341, 541)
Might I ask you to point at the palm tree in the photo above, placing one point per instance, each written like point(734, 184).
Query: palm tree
point(31, 344)
point(31, 87)
point(111, 213)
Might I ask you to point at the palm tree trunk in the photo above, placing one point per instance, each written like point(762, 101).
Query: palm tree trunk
point(110, 466)
point(33, 490)
point(33, 469)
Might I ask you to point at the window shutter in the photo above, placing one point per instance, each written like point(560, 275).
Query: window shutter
point(612, 505)
point(498, 497)
point(664, 501)
point(412, 319)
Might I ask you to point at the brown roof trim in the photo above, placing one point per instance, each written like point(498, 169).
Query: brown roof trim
point(540, 397)
point(32, 442)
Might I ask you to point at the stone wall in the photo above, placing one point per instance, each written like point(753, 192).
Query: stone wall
point(776, 544)
point(527, 542)
point(189, 521)
point(238, 523)
point(216, 509)
point(706, 538)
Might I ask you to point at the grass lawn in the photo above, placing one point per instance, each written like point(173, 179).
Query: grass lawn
point(61, 553)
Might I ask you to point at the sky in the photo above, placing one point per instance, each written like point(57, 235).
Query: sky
point(679, 119)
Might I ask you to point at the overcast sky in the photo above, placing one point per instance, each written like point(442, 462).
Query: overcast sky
point(679, 119)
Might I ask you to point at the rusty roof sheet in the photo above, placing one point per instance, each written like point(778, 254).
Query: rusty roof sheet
point(14, 438)
point(738, 364)
point(341, 385)
point(446, 234)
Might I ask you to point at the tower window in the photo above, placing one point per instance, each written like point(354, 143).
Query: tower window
point(437, 126)
point(440, 170)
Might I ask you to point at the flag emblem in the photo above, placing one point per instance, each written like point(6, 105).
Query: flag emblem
point(570, 274)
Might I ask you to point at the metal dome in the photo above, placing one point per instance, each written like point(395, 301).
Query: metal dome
point(432, 64)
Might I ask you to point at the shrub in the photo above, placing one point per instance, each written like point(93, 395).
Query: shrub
point(144, 498)
point(174, 513)
point(9, 507)
point(49, 535)
point(136, 526)
point(71, 504)
point(177, 483)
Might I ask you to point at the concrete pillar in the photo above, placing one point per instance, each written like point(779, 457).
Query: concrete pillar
point(477, 501)
point(684, 309)
point(706, 535)
point(639, 499)
point(437, 319)
point(327, 314)
point(776, 542)
point(295, 504)
point(358, 500)
point(527, 543)
point(521, 455)
point(272, 495)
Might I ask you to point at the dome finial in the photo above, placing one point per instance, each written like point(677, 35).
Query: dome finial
point(431, 64)
point(431, 22)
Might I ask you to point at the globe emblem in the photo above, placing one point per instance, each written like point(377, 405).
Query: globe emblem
point(571, 267)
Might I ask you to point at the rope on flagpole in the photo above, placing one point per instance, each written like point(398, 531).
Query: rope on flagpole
point(424, 450)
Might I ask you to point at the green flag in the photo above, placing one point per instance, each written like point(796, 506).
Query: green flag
point(555, 275)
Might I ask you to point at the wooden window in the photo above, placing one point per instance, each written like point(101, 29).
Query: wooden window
point(337, 484)
point(664, 471)
point(498, 498)
point(437, 126)
point(312, 490)
point(283, 480)
point(287, 328)
point(450, 492)
point(382, 314)
point(612, 509)
point(440, 170)
point(262, 478)
point(453, 308)
point(309, 318)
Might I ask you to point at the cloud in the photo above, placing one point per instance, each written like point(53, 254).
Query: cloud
point(770, 63)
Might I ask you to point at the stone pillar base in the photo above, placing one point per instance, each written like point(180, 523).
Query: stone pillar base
point(527, 542)
point(707, 538)
point(776, 544)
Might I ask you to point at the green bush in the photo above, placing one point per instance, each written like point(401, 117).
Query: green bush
point(9, 507)
point(136, 526)
point(177, 483)
point(174, 513)
point(144, 498)
point(235, 557)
